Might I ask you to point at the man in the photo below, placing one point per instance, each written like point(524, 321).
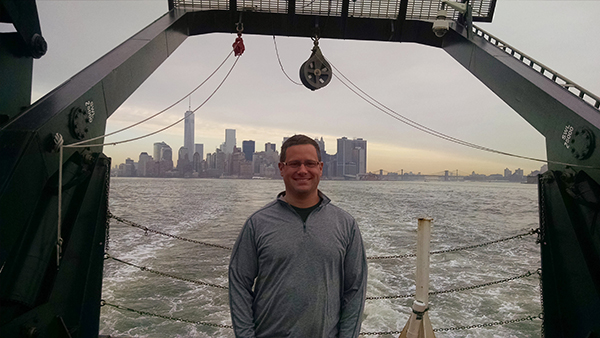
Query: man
point(298, 268)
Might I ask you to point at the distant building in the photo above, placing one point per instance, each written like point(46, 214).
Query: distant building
point(144, 164)
point(197, 163)
point(234, 162)
point(165, 160)
point(321, 144)
point(270, 147)
point(184, 165)
point(157, 150)
point(199, 148)
point(265, 164)
point(517, 176)
point(246, 170)
point(188, 134)
point(229, 144)
point(163, 154)
point(215, 163)
point(351, 157)
point(166, 154)
point(248, 148)
point(507, 173)
point(127, 169)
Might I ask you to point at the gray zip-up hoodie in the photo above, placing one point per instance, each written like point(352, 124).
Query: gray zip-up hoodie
point(289, 278)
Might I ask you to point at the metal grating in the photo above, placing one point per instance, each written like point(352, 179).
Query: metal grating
point(319, 7)
point(374, 9)
point(483, 10)
point(426, 10)
point(202, 5)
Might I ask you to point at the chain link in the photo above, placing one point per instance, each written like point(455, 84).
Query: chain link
point(458, 328)
point(146, 230)
point(477, 326)
point(538, 231)
point(506, 280)
point(393, 256)
point(432, 293)
point(143, 268)
point(530, 232)
point(380, 333)
point(146, 313)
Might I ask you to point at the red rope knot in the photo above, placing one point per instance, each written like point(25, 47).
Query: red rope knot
point(238, 45)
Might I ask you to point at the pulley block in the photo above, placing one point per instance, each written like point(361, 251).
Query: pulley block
point(315, 73)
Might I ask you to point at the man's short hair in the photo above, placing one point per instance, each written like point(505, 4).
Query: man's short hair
point(296, 140)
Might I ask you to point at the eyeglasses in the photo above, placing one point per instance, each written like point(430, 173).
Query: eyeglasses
point(297, 164)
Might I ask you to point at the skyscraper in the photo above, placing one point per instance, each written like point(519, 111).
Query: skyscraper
point(143, 163)
point(188, 133)
point(156, 150)
point(270, 147)
point(199, 148)
point(229, 141)
point(248, 148)
point(351, 156)
point(360, 149)
point(321, 144)
point(157, 153)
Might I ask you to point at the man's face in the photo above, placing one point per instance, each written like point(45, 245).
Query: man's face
point(301, 181)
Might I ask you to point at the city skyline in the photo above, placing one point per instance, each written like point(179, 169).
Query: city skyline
point(353, 149)
point(420, 82)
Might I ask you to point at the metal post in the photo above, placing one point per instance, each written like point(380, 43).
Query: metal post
point(418, 325)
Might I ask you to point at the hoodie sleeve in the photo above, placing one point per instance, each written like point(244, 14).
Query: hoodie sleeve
point(355, 286)
point(243, 268)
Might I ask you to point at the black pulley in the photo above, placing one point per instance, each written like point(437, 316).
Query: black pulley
point(315, 73)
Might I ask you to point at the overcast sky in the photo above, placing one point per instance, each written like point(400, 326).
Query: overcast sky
point(422, 83)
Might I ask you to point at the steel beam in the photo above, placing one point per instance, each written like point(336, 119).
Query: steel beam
point(548, 107)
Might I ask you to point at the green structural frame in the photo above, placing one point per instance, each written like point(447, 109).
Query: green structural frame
point(40, 295)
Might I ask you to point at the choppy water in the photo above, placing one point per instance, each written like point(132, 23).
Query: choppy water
point(464, 213)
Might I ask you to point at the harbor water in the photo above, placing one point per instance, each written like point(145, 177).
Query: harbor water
point(214, 210)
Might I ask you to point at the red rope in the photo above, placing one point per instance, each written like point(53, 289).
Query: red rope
point(238, 45)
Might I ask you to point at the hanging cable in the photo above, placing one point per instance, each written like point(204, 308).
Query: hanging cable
point(78, 145)
point(395, 115)
point(281, 65)
point(160, 112)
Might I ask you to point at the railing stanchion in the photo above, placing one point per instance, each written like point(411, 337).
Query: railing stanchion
point(419, 325)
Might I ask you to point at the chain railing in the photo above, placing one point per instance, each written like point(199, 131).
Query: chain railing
point(557, 78)
point(146, 229)
point(143, 268)
point(458, 289)
point(432, 293)
point(530, 232)
point(497, 323)
point(472, 287)
point(146, 313)
point(380, 333)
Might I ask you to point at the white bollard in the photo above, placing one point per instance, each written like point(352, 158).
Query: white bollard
point(418, 325)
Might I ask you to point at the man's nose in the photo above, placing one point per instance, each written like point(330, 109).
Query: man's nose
point(303, 168)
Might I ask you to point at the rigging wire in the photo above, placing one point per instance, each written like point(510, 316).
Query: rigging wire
point(395, 115)
point(281, 65)
point(160, 112)
point(79, 145)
